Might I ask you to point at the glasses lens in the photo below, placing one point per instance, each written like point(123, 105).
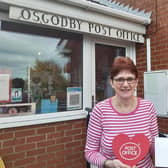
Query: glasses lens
point(130, 80)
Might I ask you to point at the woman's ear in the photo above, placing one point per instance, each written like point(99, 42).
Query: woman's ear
point(137, 82)
point(111, 82)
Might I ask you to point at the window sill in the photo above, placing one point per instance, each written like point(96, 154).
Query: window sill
point(162, 115)
point(18, 121)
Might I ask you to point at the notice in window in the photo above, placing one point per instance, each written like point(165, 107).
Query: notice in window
point(16, 95)
point(4, 87)
point(73, 98)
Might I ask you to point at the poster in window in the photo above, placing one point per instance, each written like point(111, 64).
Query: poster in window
point(4, 87)
point(74, 98)
point(16, 95)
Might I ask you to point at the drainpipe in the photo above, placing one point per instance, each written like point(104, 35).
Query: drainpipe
point(148, 51)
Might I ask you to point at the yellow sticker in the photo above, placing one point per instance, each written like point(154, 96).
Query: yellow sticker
point(2, 163)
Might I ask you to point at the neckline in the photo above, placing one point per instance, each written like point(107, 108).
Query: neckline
point(129, 113)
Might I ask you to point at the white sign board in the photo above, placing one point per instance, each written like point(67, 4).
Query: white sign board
point(161, 151)
point(155, 90)
point(73, 24)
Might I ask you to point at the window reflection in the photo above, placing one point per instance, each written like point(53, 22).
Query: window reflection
point(42, 71)
point(103, 69)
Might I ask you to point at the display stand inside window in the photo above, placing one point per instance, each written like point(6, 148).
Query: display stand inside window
point(17, 109)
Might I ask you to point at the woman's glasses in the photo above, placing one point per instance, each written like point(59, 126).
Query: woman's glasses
point(121, 81)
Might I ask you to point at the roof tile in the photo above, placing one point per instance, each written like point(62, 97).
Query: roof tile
point(120, 6)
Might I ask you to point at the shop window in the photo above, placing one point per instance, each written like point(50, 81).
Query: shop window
point(40, 70)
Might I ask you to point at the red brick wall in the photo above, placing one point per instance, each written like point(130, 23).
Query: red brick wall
point(163, 126)
point(56, 145)
point(148, 5)
point(158, 33)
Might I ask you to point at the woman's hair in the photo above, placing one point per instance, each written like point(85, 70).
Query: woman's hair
point(123, 63)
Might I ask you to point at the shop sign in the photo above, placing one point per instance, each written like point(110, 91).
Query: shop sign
point(65, 22)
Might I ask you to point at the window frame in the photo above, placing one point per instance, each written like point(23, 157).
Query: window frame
point(88, 76)
point(34, 119)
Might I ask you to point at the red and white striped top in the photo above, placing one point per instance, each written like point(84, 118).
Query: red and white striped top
point(105, 123)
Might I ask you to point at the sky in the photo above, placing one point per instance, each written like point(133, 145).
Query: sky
point(18, 51)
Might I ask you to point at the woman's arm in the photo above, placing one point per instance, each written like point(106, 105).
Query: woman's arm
point(154, 131)
point(94, 134)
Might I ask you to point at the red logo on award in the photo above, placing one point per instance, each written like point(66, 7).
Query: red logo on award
point(130, 150)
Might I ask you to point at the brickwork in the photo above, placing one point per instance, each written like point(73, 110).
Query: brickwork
point(56, 145)
point(163, 126)
point(158, 33)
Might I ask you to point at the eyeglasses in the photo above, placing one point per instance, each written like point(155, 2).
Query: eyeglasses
point(121, 81)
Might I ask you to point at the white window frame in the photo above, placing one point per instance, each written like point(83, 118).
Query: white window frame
point(88, 87)
point(130, 52)
point(91, 43)
point(26, 120)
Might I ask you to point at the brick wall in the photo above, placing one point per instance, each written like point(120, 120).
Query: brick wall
point(56, 145)
point(163, 126)
point(158, 32)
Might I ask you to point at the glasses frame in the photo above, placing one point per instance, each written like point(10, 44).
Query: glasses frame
point(121, 81)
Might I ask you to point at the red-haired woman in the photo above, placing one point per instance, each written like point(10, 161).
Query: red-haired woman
point(123, 113)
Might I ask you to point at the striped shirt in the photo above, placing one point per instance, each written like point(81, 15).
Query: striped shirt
point(105, 123)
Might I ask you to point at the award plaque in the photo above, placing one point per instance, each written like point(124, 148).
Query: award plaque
point(130, 150)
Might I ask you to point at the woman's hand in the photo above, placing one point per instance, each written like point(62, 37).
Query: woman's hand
point(115, 164)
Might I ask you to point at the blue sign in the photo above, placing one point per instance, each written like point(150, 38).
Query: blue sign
point(16, 95)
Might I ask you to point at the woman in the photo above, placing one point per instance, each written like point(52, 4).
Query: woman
point(123, 113)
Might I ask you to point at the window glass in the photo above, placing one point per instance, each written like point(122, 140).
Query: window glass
point(40, 70)
point(103, 69)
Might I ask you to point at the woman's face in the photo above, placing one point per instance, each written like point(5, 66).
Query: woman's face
point(124, 84)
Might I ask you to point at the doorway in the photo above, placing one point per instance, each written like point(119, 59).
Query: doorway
point(104, 56)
